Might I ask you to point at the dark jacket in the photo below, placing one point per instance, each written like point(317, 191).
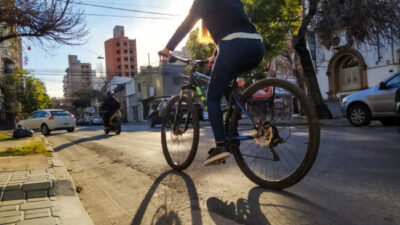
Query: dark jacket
point(221, 17)
point(110, 104)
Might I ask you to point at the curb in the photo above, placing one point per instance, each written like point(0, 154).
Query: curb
point(71, 211)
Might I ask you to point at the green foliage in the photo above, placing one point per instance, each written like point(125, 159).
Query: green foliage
point(4, 137)
point(23, 93)
point(84, 97)
point(31, 148)
point(198, 50)
point(35, 96)
point(276, 21)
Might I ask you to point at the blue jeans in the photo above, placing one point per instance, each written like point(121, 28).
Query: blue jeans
point(234, 57)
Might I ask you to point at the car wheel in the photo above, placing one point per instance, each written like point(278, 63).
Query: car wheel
point(359, 115)
point(390, 121)
point(45, 129)
point(71, 129)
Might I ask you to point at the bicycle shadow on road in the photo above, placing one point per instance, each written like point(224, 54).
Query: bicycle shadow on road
point(79, 141)
point(267, 207)
point(167, 203)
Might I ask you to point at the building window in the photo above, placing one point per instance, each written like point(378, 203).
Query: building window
point(130, 51)
point(127, 74)
point(132, 67)
point(117, 43)
point(126, 66)
point(132, 73)
point(139, 88)
point(125, 51)
point(119, 59)
point(126, 58)
point(131, 59)
point(125, 43)
point(119, 66)
point(118, 52)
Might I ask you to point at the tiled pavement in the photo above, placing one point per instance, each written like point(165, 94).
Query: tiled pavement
point(27, 197)
point(38, 190)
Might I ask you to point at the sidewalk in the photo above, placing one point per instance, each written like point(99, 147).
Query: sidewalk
point(38, 190)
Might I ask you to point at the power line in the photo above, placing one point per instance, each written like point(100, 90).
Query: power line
point(122, 9)
point(121, 16)
point(127, 4)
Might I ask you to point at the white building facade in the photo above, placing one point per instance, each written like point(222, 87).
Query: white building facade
point(344, 70)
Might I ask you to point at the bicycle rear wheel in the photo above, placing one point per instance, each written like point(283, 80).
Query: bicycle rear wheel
point(180, 140)
point(276, 150)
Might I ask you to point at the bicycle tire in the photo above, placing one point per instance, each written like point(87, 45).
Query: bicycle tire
point(313, 139)
point(194, 121)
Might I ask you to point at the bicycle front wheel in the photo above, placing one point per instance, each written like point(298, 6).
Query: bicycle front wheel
point(279, 134)
point(180, 133)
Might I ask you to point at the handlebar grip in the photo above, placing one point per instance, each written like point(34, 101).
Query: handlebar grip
point(172, 58)
point(160, 53)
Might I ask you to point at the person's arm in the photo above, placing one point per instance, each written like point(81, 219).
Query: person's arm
point(186, 26)
point(215, 53)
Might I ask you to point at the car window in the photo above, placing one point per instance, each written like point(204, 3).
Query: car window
point(31, 115)
point(394, 82)
point(40, 114)
point(59, 113)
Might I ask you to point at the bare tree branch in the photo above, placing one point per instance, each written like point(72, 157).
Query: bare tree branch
point(51, 21)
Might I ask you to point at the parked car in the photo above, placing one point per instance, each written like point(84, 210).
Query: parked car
point(157, 111)
point(375, 103)
point(95, 120)
point(81, 121)
point(48, 120)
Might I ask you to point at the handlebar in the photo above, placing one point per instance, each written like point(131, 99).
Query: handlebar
point(192, 62)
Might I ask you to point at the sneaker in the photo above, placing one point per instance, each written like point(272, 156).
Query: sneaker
point(217, 155)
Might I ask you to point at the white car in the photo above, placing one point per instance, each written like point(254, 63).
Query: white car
point(49, 119)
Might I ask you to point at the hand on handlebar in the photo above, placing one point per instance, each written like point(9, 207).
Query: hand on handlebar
point(210, 63)
point(165, 55)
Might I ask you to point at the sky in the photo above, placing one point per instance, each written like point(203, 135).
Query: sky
point(151, 36)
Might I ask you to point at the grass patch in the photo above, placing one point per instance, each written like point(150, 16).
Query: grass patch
point(31, 148)
point(4, 137)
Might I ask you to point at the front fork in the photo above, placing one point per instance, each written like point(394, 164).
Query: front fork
point(176, 127)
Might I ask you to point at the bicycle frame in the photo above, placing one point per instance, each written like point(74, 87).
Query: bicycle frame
point(194, 86)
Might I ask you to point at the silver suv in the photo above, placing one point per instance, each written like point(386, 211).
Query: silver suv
point(375, 103)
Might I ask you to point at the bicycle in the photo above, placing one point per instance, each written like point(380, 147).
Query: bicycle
point(261, 137)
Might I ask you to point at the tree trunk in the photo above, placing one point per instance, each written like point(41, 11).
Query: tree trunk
point(298, 73)
point(311, 78)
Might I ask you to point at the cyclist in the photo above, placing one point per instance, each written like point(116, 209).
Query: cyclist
point(239, 47)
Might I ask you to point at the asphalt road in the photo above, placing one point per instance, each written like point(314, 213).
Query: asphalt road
point(125, 180)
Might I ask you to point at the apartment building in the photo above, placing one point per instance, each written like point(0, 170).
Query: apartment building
point(120, 54)
point(151, 84)
point(78, 77)
point(10, 60)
